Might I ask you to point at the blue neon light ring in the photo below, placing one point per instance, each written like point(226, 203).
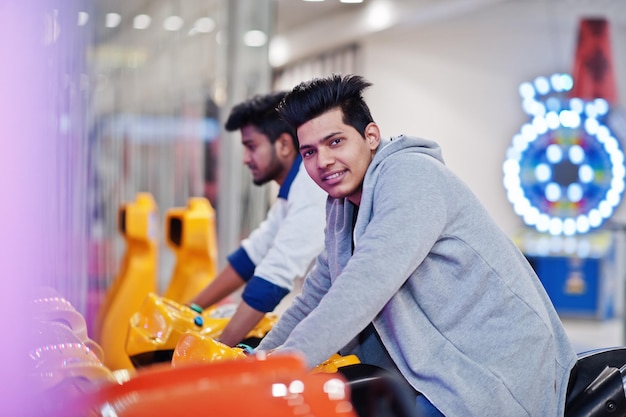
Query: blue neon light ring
point(564, 171)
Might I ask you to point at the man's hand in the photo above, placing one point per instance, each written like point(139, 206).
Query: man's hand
point(244, 320)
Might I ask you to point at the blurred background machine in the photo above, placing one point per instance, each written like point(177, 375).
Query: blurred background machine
point(137, 277)
point(190, 233)
point(564, 175)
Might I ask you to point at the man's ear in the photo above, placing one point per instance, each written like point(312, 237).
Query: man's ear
point(372, 135)
point(284, 145)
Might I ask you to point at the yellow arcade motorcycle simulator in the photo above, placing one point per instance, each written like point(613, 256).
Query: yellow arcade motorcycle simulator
point(155, 329)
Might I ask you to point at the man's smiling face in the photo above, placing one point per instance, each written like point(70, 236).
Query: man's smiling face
point(335, 154)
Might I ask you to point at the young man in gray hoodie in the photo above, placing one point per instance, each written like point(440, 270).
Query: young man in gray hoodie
point(416, 277)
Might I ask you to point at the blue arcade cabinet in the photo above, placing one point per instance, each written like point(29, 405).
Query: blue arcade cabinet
point(580, 273)
point(564, 175)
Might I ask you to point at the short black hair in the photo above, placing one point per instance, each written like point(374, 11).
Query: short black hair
point(313, 98)
point(260, 111)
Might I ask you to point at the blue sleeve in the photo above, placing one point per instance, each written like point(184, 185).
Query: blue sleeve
point(262, 295)
point(241, 263)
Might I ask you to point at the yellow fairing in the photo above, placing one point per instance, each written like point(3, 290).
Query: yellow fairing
point(137, 278)
point(335, 362)
point(160, 322)
point(194, 348)
point(190, 233)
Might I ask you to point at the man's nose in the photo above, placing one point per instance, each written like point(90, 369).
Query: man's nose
point(324, 157)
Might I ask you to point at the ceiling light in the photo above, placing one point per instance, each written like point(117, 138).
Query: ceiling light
point(83, 18)
point(255, 38)
point(141, 21)
point(278, 51)
point(380, 16)
point(204, 25)
point(112, 20)
point(173, 23)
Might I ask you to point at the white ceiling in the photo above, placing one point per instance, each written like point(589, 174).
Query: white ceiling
point(293, 13)
point(311, 27)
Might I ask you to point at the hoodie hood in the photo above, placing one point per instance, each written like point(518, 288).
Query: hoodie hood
point(386, 152)
point(404, 144)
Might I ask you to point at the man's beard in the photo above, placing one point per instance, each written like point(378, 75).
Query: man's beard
point(272, 172)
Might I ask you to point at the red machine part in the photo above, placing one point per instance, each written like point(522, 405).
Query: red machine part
point(276, 386)
point(593, 67)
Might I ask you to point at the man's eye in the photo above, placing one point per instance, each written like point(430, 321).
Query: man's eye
point(335, 141)
point(306, 154)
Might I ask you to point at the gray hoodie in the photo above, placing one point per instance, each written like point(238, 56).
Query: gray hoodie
point(457, 307)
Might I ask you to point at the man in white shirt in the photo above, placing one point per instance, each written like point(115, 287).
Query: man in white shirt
point(286, 243)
